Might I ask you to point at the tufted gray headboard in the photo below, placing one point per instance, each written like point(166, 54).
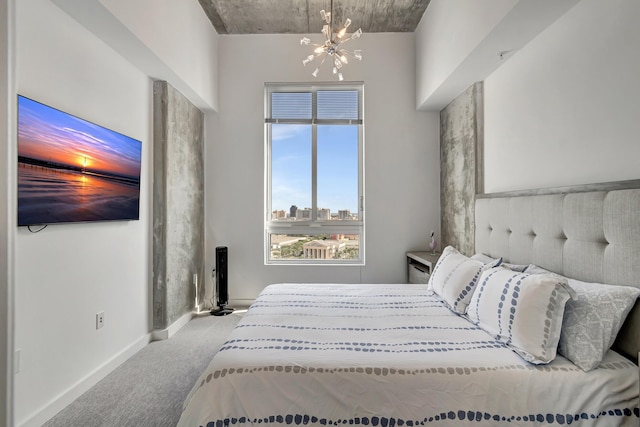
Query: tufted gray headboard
point(587, 235)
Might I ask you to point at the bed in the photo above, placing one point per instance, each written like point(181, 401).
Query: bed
point(456, 352)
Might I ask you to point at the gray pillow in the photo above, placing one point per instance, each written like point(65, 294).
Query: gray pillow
point(592, 321)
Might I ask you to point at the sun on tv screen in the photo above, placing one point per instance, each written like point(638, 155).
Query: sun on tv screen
point(72, 170)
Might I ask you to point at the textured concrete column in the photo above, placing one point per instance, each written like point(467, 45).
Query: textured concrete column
point(461, 163)
point(178, 204)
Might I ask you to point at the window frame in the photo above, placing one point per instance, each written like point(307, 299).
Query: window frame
point(313, 226)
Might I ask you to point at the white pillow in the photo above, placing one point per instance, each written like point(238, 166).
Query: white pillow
point(592, 321)
point(454, 278)
point(523, 311)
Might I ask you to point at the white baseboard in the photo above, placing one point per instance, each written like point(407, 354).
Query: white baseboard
point(63, 400)
point(165, 334)
point(75, 391)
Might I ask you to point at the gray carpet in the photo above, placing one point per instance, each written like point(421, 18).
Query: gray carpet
point(150, 387)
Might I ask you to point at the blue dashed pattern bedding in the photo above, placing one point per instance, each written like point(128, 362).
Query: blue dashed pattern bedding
point(392, 355)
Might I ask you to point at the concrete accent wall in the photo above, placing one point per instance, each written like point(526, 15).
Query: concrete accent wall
point(461, 173)
point(178, 205)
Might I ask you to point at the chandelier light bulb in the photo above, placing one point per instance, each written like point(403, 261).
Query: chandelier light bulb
point(307, 60)
point(315, 73)
point(319, 49)
point(340, 77)
point(343, 58)
point(343, 31)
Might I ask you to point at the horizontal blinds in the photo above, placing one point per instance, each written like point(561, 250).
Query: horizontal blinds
point(291, 105)
point(332, 104)
point(338, 104)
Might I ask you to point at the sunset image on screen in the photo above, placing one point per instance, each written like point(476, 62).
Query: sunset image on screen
point(72, 170)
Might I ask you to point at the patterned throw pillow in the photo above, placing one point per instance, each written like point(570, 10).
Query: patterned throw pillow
point(523, 311)
point(455, 277)
point(592, 321)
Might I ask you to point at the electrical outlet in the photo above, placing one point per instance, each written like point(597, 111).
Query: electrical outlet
point(100, 320)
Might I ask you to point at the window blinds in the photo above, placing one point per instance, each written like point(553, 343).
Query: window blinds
point(329, 105)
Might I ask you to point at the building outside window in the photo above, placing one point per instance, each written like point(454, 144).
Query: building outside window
point(314, 169)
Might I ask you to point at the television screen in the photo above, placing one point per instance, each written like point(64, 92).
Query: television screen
point(72, 170)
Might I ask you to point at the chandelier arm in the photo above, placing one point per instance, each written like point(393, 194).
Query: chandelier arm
point(346, 53)
point(352, 54)
point(351, 37)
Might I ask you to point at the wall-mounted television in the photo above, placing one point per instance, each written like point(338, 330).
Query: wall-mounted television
point(71, 170)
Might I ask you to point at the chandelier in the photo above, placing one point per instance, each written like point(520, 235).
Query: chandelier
point(332, 49)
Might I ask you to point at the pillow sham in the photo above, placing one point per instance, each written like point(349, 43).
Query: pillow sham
point(521, 268)
point(523, 311)
point(482, 258)
point(487, 259)
point(534, 269)
point(592, 321)
point(455, 277)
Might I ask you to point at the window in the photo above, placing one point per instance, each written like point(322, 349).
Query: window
point(314, 174)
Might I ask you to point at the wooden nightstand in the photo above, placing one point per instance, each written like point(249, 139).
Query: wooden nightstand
point(420, 265)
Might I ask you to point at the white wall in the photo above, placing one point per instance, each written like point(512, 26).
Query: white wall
point(165, 39)
point(460, 42)
point(447, 34)
point(401, 156)
point(7, 221)
point(191, 54)
point(66, 274)
point(564, 110)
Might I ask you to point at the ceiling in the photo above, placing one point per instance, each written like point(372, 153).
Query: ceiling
point(303, 16)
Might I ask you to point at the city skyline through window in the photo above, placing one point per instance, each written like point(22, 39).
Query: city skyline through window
point(314, 174)
point(337, 168)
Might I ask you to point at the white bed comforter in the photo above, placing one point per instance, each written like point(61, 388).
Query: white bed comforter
point(391, 355)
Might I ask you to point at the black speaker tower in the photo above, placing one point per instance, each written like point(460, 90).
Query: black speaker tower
point(222, 291)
